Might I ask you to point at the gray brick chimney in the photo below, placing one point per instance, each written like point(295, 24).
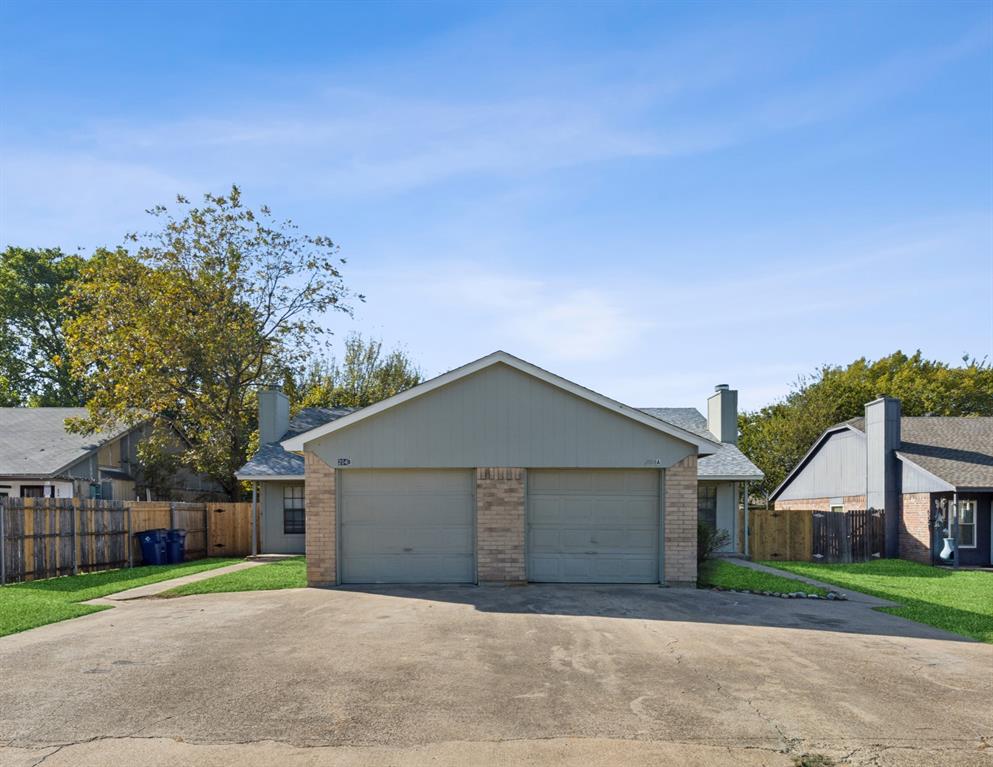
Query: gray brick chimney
point(274, 415)
point(882, 467)
point(722, 414)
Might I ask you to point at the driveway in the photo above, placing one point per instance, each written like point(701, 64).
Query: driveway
point(580, 675)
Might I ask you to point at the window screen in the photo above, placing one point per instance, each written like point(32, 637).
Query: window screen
point(293, 510)
point(706, 505)
point(967, 524)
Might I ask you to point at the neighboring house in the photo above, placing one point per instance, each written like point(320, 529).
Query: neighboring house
point(495, 471)
point(905, 466)
point(39, 458)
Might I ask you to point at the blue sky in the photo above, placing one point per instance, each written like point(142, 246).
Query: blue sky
point(647, 199)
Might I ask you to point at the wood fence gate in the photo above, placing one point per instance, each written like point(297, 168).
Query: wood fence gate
point(848, 536)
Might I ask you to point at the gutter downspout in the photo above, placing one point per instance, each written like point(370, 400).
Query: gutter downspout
point(953, 515)
point(255, 487)
point(747, 525)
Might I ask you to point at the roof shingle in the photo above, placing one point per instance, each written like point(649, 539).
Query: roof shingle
point(34, 441)
point(727, 463)
point(272, 461)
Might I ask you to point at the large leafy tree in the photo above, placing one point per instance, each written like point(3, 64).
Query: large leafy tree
point(364, 375)
point(180, 327)
point(34, 361)
point(777, 436)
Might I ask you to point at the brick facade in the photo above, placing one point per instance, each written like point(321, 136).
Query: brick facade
point(321, 512)
point(803, 504)
point(500, 524)
point(680, 522)
point(915, 531)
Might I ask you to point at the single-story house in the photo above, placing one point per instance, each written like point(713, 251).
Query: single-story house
point(39, 458)
point(495, 471)
point(907, 466)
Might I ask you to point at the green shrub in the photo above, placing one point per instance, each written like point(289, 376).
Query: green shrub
point(709, 540)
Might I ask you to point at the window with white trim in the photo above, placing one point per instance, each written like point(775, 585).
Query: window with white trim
point(837, 508)
point(967, 524)
point(293, 510)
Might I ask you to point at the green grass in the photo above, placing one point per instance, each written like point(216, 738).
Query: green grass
point(727, 575)
point(958, 601)
point(34, 603)
point(282, 574)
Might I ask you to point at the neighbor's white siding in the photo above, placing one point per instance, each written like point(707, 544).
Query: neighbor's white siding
point(838, 468)
point(913, 480)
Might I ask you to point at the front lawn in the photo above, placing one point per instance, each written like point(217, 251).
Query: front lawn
point(960, 601)
point(34, 603)
point(282, 574)
point(724, 574)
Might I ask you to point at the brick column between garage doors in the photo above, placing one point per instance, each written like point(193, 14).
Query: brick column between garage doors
point(681, 523)
point(321, 522)
point(500, 504)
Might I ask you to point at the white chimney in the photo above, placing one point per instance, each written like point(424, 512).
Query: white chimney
point(722, 414)
point(274, 415)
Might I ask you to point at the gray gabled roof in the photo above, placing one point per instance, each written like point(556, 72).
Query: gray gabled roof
point(727, 463)
point(958, 450)
point(704, 444)
point(272, 461)
point(34, 441)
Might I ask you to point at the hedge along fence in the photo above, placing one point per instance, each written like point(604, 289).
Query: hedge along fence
point(48, 537)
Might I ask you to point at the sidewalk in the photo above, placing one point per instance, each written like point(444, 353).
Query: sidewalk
point(852, 596)
point(154, 589)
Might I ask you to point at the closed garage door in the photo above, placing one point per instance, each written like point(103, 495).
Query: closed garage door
point(407, 527)
point(593, 526)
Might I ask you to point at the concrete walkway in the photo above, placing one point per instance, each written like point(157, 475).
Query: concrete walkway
point(154, 589)
point(852, 596)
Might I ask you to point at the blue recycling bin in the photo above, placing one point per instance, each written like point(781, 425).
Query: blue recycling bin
point(175, 545)
point(153, 546)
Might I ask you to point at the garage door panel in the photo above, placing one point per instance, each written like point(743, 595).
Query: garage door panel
point(593, 526)
point(407, 482)
point(407, 527)
point(400, 569)
point(366, 540)
point(562, 511)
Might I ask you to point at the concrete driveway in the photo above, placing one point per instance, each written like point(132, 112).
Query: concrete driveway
point(581, 675)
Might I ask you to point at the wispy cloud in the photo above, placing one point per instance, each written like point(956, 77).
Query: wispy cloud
point(492, 191)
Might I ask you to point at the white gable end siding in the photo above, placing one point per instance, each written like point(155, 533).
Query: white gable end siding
point(499, 416)
point(914, 480)
point(837, 469)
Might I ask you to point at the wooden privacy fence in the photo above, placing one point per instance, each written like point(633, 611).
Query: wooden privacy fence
point(48, 537)
point(817, 536)
point(783, 535)
point(848, 536)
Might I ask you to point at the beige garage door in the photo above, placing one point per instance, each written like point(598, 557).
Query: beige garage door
point(407, 526)
point(593, 526)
